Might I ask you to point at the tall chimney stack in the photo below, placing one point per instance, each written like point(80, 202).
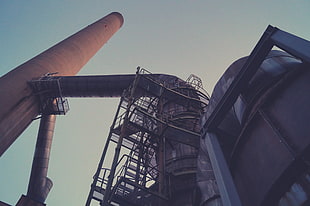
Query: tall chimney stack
point(18, 105)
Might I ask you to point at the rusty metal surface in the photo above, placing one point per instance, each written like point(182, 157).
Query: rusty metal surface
point(18, 105)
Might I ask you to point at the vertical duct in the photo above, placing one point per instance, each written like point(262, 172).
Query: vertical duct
point(39, 184)
point(18, 104)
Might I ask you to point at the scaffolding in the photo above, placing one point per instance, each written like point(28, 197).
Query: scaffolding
point(49, 104)
point(152, 116)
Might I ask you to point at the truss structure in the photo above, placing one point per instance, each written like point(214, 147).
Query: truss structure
point(153, 116)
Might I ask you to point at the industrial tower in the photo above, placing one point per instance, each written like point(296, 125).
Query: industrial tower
point(155, 134)
point(171, 144)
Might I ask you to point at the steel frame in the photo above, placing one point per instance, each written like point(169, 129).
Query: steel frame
point(139, 131)
point(296, 46)
point(57, 105)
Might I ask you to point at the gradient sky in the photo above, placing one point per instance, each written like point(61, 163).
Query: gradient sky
point(174, 37)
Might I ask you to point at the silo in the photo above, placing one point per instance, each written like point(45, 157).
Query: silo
point(272, 151)
point(265, 135)
point(181, 159)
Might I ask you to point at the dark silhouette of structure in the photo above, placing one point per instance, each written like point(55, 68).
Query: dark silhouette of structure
point(247, 144)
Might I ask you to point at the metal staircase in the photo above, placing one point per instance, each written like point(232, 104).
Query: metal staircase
point(136, 175)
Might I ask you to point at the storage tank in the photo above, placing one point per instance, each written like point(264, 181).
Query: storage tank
point(181, 159)
point(265, 135)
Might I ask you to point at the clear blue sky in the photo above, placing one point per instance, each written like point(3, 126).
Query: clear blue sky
point(174, 37)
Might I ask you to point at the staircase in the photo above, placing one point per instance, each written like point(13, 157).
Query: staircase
point(138, 127)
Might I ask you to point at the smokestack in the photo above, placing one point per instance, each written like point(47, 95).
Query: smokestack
point(18, 104)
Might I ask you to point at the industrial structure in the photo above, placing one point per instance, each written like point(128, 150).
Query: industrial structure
point(170, 143)
point(156, 138)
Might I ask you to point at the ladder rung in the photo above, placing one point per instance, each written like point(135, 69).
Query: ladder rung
point(126, 187)
point(132, 167)
point(130, 174)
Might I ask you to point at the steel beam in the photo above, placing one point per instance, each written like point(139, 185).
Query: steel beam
point(228, 192)
point(293, 45)
point(239, 83)
point(296, 46)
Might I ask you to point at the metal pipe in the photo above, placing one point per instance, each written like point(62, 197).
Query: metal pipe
point(39, 184)
point(84, 86)
point(18, 104)
point(90, 86)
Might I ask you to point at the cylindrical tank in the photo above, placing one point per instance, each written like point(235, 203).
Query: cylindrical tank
point(18, 105)
point(181, 159)
point(265, 136)
point(39, 184)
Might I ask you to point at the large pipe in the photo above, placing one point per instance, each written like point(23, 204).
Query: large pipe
point(39, 184)
point(18, 105)
point(83, 86)
point(89, 86)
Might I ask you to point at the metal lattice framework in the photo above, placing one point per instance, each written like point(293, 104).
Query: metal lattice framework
point(137, 173)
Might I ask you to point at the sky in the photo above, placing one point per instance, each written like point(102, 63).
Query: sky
point(201, 37)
